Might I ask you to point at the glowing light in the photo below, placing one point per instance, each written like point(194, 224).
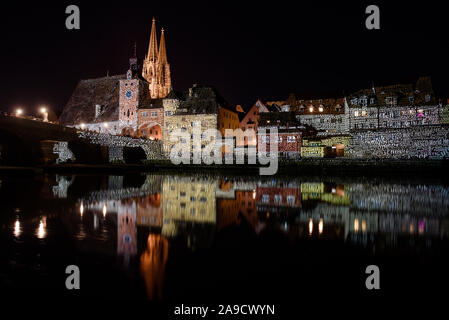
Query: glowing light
point(43, 110)
point(320, 226)
point(105, 125)
point(412, 228)
point(310, 227)
point(421, 227)
point(105, 210)
point(363, 225)
point(356, 225)
point(82, 125)
point(311, 109)
point(19, 112)
point(254, 194)
point(41, 233)
point(17, 228)
point(81, 209)
point(320, 109)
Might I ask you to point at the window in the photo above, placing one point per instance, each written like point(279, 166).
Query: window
point(203, 199)
point(354, 101)
point(371, 101)
point(411, 99)
point(145, 114)
point(291, 139)
point(278, 198)
point(279, 139)
point(427, 97)
point(291, 200)
point(356, 126)
point(168, 113)
point(182, 193)
point(154, 113)
point(412, 112)
point(371, 125)
point(363, 101)
point(265, 198)
point(356, 113)
point(192, 123)
point(192, 199)
point(390, 101)
point(363, 113)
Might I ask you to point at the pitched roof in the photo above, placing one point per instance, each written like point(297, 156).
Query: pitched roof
point(202, 100)
point(89, 93)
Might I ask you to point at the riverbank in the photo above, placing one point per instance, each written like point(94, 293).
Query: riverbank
point(359, 167)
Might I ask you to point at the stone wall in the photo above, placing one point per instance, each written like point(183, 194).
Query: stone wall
point(415, 142)
point(326, 123)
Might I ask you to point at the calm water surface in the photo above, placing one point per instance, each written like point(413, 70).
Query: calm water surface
point(208, 237)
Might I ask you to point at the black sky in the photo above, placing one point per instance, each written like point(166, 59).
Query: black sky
point(248, 51)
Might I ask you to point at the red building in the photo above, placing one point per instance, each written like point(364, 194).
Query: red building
point(289, 133)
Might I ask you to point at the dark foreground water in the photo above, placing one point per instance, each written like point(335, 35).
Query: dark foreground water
point(206, 238)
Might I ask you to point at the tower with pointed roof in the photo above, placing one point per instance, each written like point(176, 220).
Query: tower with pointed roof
point(156, 69)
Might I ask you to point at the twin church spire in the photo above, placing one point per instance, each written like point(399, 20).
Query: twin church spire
point(156, 69)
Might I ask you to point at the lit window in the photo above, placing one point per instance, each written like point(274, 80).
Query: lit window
point(311, 109)
point(356, 113)
point(363, 113)
point(320, 109)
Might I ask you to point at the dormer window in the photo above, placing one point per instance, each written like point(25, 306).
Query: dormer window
point(301, 108)
point(354, 101)
point(411, 99)
point(337, 108)
point(363, 101)
point(427, 97)
point(390, 101)
point(371, 101)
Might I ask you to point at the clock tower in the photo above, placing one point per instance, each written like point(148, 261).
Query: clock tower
point(129, 97)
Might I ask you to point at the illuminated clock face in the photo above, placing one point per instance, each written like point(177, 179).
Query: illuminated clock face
point(128, 94)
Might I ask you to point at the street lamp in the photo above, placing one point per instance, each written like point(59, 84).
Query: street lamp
point(82, 125)
point(19, 112)
point(44, 112)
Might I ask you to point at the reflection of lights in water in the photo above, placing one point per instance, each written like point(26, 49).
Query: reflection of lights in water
point(81, 209)
point(356, 225)
point(105, 210)
point(254, 194)
point(421, 227)
point(333, 190)
point(412, 228)
point(285, 226)
point(363, 225)
point(310, 227)
point(17, 228)
point(41, 230)
point(95, 222)
point(320, 226)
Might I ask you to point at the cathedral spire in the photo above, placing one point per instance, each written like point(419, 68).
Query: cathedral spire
point(162, 58)
point(152, 48)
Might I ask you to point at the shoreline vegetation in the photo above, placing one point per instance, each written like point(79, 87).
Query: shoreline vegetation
point(360, 167)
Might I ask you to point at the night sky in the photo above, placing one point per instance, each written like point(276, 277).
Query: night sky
point(265, 50)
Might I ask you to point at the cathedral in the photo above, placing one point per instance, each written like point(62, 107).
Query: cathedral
point(132, 103)
point(156, 69)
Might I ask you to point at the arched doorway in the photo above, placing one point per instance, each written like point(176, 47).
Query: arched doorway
point(151, 131)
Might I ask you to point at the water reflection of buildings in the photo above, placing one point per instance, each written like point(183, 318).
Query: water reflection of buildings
point(191, 208)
